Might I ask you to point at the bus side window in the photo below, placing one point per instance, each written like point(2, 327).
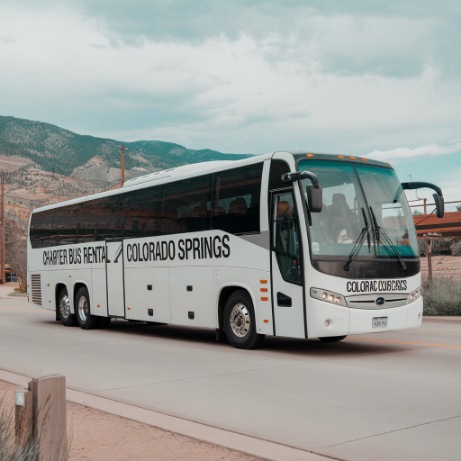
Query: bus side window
point(186, 205)
point(140, 208)
point(238, 193)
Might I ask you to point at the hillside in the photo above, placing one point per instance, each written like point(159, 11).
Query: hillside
point(42, 163)
point(61, 151)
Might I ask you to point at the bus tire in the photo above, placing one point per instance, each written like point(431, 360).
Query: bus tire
point(64, 313)
point(332, 339)
point(239, 321)
point(83, 311)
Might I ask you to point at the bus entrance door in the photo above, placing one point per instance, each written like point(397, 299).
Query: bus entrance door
point(114, 279)
point(286, 263)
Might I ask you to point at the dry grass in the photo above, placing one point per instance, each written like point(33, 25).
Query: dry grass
point(442, 296)
point(8, 449)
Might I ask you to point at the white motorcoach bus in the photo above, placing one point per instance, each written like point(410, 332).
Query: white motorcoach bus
point(286, 244)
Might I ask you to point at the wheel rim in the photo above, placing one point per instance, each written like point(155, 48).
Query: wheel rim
point(83, 309)
point(64, 307)
point(240, 320)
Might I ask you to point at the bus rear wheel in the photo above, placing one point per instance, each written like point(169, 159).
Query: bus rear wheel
point(239, 321)
point(64, 313)
point(84, 317)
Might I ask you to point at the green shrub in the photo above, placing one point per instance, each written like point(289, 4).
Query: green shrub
point(442, 296)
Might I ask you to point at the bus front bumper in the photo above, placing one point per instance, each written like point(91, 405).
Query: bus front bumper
point(326, 319)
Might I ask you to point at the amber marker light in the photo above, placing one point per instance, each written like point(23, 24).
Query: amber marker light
point(309, 155)
point(351, 157)
point(264, 298)
point(340, 156)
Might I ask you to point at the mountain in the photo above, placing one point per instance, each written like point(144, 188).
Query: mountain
point(61, 151)
point(42, 163)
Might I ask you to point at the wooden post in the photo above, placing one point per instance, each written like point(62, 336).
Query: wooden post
point(49, 415)
point(429, 258)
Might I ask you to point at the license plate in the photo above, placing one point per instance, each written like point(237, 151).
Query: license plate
point(379, 322)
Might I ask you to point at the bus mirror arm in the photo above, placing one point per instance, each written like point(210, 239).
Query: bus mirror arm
point(292, 177)
point(313, 191)
point(438, 196)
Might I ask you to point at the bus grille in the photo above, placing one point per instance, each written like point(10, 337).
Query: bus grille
point(36, 288)
point(377, 301)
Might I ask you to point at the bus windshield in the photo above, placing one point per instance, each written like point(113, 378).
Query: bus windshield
point(364, 215)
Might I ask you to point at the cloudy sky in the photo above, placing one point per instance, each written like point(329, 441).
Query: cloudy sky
point(362, 77)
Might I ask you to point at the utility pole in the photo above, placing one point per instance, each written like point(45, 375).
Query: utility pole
point(2, 218)
point(122, 162)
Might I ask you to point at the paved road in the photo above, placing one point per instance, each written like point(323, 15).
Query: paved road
point(372, 397)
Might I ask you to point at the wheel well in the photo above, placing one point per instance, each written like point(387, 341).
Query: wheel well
point(223, 297)
point(76, 288)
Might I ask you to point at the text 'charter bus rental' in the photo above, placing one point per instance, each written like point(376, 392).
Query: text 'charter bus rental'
point(285, 244)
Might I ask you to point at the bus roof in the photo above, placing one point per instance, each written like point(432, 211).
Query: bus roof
point(197, 169)
point(161, 177)
point(184, 170)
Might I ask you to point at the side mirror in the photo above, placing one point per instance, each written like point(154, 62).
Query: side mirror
point(438, 196)
point(439, 205)
point(314, 198)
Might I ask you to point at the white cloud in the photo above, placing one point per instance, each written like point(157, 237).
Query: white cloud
point(358, 45)
point(451, 189)
point(336, 82)
point(400, 153)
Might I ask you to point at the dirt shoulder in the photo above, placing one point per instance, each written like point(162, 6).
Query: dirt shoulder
point(98, 436)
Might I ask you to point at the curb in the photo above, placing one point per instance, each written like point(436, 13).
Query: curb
point(256, 447)
point(442, 319)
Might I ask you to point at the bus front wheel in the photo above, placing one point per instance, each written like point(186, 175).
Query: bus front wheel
point(84, 317)
point(239, 321)
point(65, 315)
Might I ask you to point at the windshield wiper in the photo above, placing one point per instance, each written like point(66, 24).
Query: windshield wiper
point(380, 232)
point(358, 243)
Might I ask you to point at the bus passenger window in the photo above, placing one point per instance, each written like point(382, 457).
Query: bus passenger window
point(237, 193)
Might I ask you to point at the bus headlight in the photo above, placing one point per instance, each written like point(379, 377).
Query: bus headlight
point(328, 296)
point(414, 295)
